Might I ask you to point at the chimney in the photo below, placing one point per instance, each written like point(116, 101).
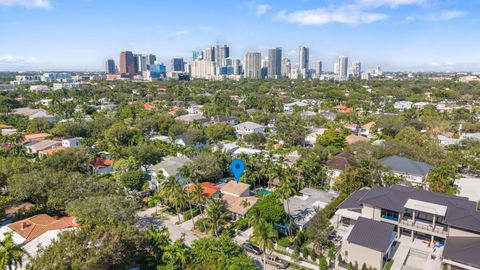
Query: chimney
point(23, 225)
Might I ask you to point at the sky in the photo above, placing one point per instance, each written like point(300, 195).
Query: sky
point(399, 35)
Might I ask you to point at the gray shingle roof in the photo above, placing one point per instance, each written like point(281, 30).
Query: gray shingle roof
point(461, 212)
point(372, 234)
point(353, 201)
point(406, 165)
point(465, 250)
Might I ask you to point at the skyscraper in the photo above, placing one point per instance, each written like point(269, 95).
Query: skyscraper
point(356, 69)
point(209, 54)
point(197, 55)
point(177, 64)
point(343, 67)
point(150, 59)
point(110, 66)
point(274, 63)
point(303, 58)
point(234, 64)
point(253, 65)
point(202, 69)
point(286, 67)
point(127, 63)
point(318, 67)
point(140, 63)
point(221, 52)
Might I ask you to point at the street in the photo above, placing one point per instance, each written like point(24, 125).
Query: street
point(177, 232)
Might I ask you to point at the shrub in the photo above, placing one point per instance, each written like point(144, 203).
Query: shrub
point(241, 224)
point(195, 211)
point(284, 242)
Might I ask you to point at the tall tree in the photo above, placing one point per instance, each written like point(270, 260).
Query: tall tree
point(10, 253)
point(216, 214)
point(264, 235)
point(442, 179)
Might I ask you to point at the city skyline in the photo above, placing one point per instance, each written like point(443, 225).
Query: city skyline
point(399, 35)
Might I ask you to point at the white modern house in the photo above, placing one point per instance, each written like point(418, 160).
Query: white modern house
point(403, 105)
point(71, 142)
point(247, 128)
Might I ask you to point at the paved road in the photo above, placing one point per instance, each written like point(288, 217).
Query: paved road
point(177, 232)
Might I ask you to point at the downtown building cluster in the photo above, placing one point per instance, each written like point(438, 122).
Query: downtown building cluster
point(216, 63)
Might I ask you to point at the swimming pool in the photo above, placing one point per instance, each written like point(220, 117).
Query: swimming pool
point(262, 192)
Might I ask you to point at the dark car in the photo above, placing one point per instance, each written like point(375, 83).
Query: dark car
point(277, 262)
point(251, 248)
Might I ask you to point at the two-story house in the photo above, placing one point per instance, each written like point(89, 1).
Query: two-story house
point(436, 219)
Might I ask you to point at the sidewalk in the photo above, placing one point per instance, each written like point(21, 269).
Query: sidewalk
point(243, 237)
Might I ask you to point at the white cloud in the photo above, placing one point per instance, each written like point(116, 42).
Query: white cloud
point(181, 33)
point(447, 15)
point(262, 9)
point(390, 3)
point(347, 14)
point(10, 61)
point(42, 4)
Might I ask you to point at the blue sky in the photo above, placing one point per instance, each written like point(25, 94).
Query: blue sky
point(416, 35)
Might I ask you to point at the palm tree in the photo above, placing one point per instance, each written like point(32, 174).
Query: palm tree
point(254, 217)
point(264, 235)
point(216, 215)
point(176, 253)
point(198, 197)
point(173, 194)
point(10, 253)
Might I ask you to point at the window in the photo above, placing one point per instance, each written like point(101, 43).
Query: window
point(387, 214)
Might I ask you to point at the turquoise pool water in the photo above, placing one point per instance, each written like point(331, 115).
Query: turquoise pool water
point(262, 192)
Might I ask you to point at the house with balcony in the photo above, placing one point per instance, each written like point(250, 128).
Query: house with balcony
point(438, 220)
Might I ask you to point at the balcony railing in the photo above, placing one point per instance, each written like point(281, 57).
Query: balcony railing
point(428, 227)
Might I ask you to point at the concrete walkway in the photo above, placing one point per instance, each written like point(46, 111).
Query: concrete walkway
point(401, 253)
point(244, 236)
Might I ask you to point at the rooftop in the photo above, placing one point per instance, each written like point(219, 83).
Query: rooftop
point(171, 165)
point(460, 212)
point(248, 125)
point(33, 227)
point(209, 188)
point(464, 250)
point(234, 188)
point(302, 207)
point(239, 205)
point(406, 165)
point(342, 162)
point(372, 234)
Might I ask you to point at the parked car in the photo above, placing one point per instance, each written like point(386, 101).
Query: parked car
point(251, 248)
point(277, 262)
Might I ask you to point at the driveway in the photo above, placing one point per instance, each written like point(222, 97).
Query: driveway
point(176, 231)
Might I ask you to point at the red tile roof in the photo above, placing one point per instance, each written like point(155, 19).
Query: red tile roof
point(209, 189)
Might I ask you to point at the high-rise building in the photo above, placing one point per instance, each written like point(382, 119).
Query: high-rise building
point(197, 55)
point(178, 64)
point(110, 66)
point(202, 69)
point(303, 57)
point(286, 67)
point(234, 64)
point(209, 54)
point(150, 60)
point(221, 52)
point(140, 63)
point(336, 69)
point(356, 69)
point(317, 66)
point(274, 63)
point(127, 63)
point(343, 67)
point(253, 65)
